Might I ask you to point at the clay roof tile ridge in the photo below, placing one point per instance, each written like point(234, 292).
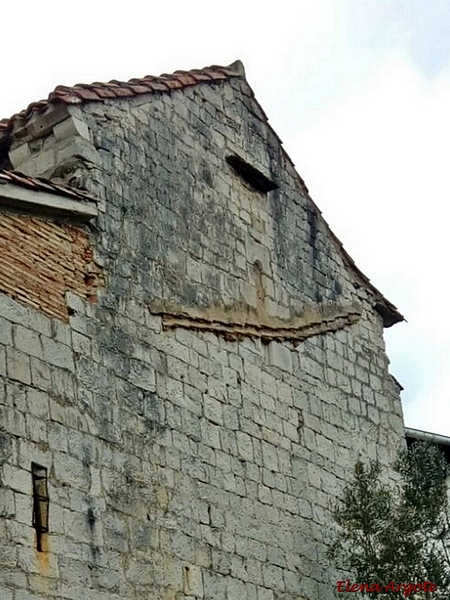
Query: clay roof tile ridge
point(98, 91)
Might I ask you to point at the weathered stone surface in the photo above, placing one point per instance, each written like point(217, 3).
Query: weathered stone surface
point(188, 460)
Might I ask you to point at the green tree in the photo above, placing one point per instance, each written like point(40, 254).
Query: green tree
point(399, 533)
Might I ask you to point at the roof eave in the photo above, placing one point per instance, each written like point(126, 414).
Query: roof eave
point(18, 198)
point(427, 436)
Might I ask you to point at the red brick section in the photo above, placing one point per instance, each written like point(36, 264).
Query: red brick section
point(149, 84)
point(40, 260)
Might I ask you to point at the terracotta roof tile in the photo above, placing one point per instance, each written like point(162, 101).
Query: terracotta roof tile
point(43, 185)
point(61, 94)
point(103, 93)
point(221, 75)
point(139, 88)
point(98, 92)
point(159, 86)
point(86, 94)
point(185, 78)
point(173, 84)
point(200, 76)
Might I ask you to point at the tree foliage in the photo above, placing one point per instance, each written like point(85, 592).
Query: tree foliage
point(397, 533)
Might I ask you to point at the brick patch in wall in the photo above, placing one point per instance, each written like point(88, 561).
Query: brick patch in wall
point(40, 260)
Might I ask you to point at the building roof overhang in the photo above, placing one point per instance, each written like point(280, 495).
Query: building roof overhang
point(442, 441)
point(32, 194)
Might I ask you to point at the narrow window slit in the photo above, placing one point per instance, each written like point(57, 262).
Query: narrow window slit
point(40, 503)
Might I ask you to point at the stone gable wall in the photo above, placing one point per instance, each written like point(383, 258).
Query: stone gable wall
point(184, 462)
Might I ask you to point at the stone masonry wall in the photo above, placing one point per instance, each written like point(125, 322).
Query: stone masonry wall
point(185, 463)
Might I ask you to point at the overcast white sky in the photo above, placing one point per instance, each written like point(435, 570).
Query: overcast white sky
point(358, 90)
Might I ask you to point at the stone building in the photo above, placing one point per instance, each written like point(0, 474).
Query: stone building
point(190, 361)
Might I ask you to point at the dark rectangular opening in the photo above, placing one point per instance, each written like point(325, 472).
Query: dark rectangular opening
point(40, 503)
point(252, 176)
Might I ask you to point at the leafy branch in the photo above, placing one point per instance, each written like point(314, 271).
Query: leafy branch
point(400, 532)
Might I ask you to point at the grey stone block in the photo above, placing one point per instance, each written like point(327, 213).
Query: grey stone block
point(40, 373)
point(27, 341)
point(280, 356)
point(13, 311)
point(18, 366)
point(5, 332)
point(57, 354)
